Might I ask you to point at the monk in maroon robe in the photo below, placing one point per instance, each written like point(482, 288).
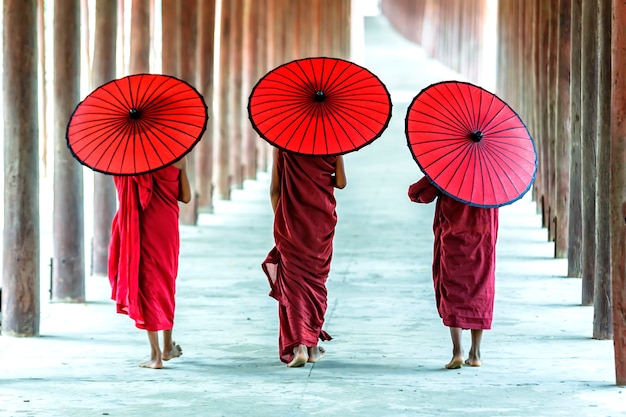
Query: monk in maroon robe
point(464, 262)
point(143, 253)
point(302, 195)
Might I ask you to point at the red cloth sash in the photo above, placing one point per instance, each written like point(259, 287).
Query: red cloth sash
point(464, 258)
point(144, 248)
point(298, 266)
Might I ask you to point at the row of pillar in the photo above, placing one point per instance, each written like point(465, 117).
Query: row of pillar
point(561, 64)
point(222, 47)
point(450, 31)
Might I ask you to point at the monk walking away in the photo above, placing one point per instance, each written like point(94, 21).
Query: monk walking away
point(464, 260)
point(143, 254)
point(302, 196)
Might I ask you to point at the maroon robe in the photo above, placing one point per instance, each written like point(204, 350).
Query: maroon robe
point(464, 258)
point(144, 248)
point(298, 266)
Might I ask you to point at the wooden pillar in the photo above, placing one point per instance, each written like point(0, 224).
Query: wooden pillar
point(552, 50)
point(187, 40)
point(589, 130)
point(563, 138)
point(251, 26)
point(21, 263)
point(170, 34)
point(430, 27)
point(540, 102)
point(204, 149)
point(602, 319)
point(222, 149)
point(43, 90)
point(574, 235)
point(104, 70)
point(265, 46)
point(618, 189)
point(235, 78)
point(140, 36)
point(68, 264)
point(530, 111)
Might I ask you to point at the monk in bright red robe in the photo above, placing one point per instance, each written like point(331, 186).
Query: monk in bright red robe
point(302, 195)
point(464, 263)
point(143, 253)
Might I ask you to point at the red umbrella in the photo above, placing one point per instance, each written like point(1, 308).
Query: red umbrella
point(319, 106)
point(471, 144)
point(136, 124)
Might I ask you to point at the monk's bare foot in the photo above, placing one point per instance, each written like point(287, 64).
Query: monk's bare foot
point(473, 361)
point(316, 353)
point(152, 364)
point(175, 351)
point(300, 357)
point(455, 363)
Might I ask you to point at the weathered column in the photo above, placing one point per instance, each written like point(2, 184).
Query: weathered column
point(140, 36)
point(21, 263)
point(618, 189)
point(563, 138)
point(235, 78)
point(222, 148)
point(552, 49)
point(541, 134)
point(104, 70)
point(187, 53)
point(43, 90)
point(266, 61)
point(170, 34)
point(589, 130)
point(602, 318)
point(430, 27)
point(249, 76)
point(204, 149)
point(68, 264)
point(574, 235)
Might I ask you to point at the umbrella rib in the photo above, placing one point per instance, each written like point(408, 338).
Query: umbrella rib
point(488, 125)
point(447, 108)
point(460, 103)
point(126, 128)
point(173, 138)
point(452, 119)
point(503, 154)
point(444, 123)
point(91, 138)
point(486, 170)
point(495, 163)
point(151, 143)
point(352, 143)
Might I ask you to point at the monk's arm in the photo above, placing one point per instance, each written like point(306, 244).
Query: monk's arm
point(275, 182)
point(184, 188)
point(423, 191)
point(340, 174)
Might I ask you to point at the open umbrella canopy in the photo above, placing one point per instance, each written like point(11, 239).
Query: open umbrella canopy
point(319, 106)
point(471, 144)
point(136, 124)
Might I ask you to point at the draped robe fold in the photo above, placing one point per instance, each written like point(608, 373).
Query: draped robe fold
point(144, 248)
point(464, 258)
point(298, 265)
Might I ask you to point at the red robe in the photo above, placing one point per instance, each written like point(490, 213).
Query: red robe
point(464, 258)
point(144, 248)
point(298, 266)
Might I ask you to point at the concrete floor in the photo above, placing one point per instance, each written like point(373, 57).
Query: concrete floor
point(389, 345)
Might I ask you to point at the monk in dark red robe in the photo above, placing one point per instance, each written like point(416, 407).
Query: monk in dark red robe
point(302, 195)
point(464, 263)
point(143, 253)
